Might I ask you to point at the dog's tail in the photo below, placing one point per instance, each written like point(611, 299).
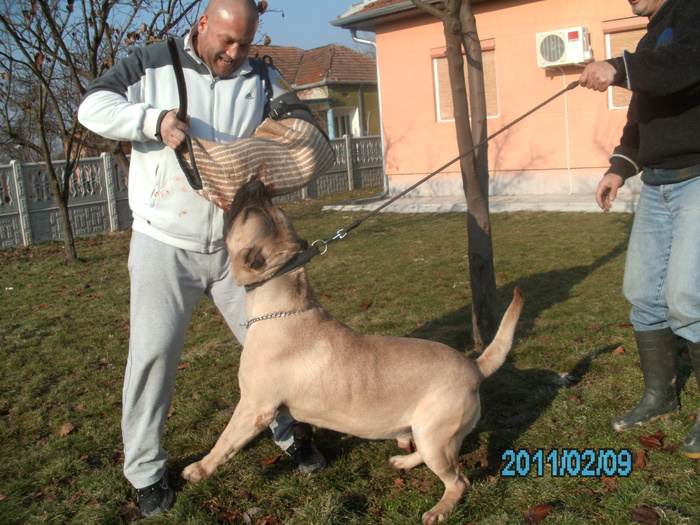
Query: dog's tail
point(495, 354)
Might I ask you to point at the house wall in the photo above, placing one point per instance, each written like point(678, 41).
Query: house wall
point(562, 148)
point(349, 97)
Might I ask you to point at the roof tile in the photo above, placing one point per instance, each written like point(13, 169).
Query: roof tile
point(331, 63)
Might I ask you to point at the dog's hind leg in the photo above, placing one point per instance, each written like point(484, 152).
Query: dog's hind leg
point(438, 440)
point(443, 460)
point(245, 424)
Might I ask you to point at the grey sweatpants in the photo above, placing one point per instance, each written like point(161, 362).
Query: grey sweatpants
point(166, 284)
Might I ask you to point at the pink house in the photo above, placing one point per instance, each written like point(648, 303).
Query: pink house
point(532, 49)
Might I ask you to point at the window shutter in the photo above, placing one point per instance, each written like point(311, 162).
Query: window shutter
point(619, 42)
point(444, 93)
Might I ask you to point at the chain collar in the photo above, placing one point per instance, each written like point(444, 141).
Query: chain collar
point(269, 316)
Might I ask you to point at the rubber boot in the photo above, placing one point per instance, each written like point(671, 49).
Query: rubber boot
point(658, 358)
point(691, 447)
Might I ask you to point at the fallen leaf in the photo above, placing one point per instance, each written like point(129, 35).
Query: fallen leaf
point(229, 517)
point(92, 502)
point(79, 408)
point(399, 483)
point(75, 497)
point(652, 441)
point(118, 457)
point(248, 515)
point(423, 486)
point(537, 513)
point(66, 429)
point(130, 512)
point(267, 462)
point(639, 460)
point(619, 350)
point(609, 483)
point(183, 366)
point(366, 305)
point(575, 399)
point(645, 515)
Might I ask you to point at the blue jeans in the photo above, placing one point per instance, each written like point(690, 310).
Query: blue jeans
point(662, 273)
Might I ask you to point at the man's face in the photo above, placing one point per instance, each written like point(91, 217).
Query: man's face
point(224, 39)
point(646, 7)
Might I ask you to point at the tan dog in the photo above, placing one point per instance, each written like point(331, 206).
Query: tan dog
point(302, 362)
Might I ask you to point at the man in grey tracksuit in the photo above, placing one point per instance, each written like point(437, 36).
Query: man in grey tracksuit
point(177, 250)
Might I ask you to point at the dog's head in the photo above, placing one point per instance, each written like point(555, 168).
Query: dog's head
point(259, 236)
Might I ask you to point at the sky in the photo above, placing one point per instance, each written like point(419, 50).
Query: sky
point(306, 23)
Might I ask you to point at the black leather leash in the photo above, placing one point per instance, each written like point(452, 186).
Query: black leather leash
point(192, 175)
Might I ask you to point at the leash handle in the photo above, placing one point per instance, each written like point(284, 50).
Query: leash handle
point(192, 175)
point(179, 79)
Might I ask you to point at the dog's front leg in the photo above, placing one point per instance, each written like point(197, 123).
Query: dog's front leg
point(246, 423)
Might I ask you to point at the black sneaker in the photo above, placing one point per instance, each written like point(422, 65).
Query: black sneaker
point(155, 498)
point(303, 451)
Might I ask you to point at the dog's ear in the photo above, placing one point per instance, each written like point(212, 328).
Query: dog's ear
point(249, 265)
point(253, 258)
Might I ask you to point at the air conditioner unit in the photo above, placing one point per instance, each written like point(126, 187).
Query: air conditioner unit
point(564, 47)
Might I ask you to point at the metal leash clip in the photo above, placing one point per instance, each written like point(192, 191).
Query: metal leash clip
point(340, 234)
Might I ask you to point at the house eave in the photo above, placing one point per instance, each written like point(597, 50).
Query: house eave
point(366, 21)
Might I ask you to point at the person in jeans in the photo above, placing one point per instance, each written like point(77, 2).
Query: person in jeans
point(661, 139)
point(177, 251)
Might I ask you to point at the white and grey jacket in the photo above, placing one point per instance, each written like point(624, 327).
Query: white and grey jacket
point(124, 104)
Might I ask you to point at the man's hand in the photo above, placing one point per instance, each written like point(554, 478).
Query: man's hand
point(172, 130)
point(607, 190)
point(598, 76)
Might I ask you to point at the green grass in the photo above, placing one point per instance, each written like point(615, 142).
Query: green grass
point(63, 345)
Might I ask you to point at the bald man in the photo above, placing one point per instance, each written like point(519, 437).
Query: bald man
point(177, 252)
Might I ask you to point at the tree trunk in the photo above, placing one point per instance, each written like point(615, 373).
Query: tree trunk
point(68, 238)
point(481, 268)
point(482, 276)
point(59, 189)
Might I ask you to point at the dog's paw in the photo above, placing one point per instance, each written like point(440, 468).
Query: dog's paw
point(406, 462)
point(433, 516)
point(195, 472)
